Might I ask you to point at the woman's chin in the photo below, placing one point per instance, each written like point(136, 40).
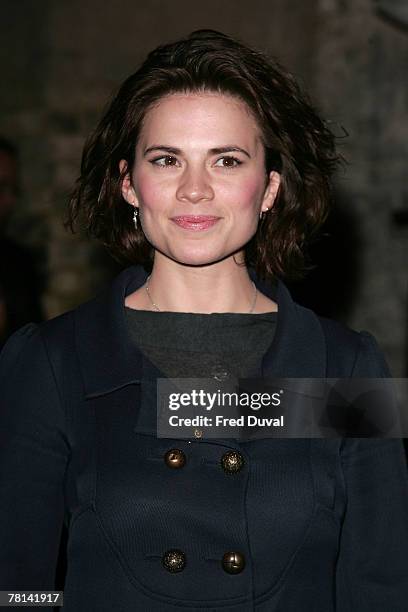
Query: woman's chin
point(197, 258)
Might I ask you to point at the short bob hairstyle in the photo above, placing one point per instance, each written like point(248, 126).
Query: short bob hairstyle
point(297, 144)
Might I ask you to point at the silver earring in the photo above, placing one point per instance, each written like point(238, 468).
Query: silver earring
point(263, 213)
point(135, 213)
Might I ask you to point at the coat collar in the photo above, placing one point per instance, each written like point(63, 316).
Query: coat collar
point(109, 359)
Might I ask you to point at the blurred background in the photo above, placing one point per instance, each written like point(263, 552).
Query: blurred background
point(62, 61)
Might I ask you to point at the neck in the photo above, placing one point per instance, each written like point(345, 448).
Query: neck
point(221, 287)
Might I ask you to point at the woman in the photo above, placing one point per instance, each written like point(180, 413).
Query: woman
point(209, 174)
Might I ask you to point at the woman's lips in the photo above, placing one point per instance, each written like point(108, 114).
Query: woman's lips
point(196, 223)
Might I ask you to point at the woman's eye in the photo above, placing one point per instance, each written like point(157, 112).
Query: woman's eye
point(163, 161)
point(228, 162)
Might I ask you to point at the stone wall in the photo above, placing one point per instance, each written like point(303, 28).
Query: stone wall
point(361, 62)
point(61, 61)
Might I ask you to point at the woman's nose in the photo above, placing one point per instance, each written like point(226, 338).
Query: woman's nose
point(195, 186)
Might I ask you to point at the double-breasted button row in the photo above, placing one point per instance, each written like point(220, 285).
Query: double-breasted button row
point(174, 560)
point(231, 461)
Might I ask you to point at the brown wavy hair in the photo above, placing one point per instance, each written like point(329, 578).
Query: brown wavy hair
point(298, 144)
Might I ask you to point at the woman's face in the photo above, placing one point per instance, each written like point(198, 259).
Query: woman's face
point(199, 177)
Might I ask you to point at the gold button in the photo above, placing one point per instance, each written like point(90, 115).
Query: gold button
point(175, 458)
point(233, 562)
point(232, 462)
point(174, 560)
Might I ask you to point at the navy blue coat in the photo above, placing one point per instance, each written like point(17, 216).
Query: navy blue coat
point(322, 524)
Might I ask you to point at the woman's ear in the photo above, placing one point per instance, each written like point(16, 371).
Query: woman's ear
point(271, 190)
point(128, 191)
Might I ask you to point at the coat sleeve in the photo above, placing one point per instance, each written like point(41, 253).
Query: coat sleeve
point(372, 568)
point(34, 452)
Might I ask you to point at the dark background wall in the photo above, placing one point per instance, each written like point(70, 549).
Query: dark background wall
point(61, 61)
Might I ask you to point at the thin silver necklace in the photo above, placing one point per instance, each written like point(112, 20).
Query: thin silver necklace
point(158, 309)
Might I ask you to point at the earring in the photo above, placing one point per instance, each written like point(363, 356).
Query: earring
point(135, 213)
point(263, 213)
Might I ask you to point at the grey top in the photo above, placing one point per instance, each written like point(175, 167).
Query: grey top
point(192, 345)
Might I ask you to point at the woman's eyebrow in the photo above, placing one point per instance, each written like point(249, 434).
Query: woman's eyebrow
point(213, 151)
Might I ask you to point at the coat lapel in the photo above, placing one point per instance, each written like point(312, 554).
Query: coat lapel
point(298, 349)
